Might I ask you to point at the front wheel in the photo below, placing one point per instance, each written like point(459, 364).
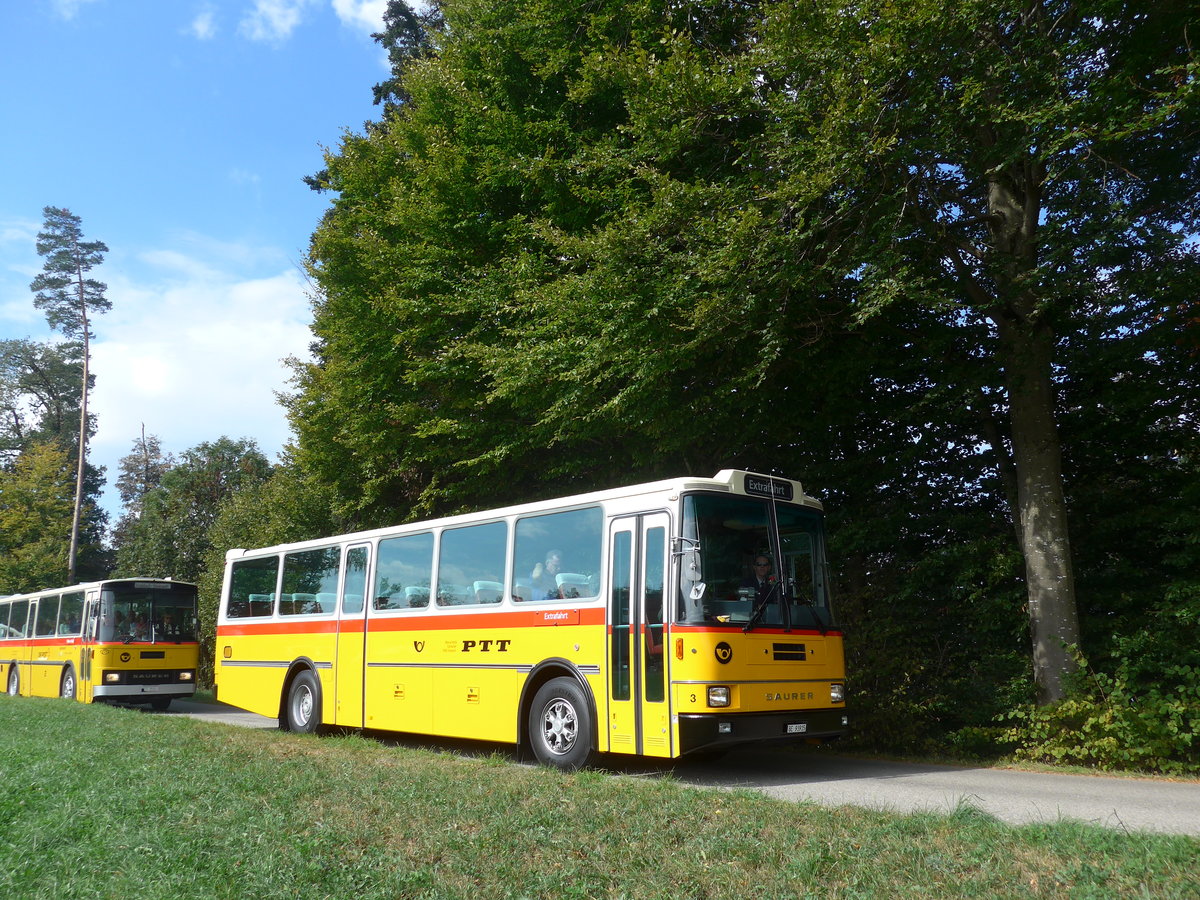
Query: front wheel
point(302, 714)
point(14, 681)
point(67, 688)
point(560, 725)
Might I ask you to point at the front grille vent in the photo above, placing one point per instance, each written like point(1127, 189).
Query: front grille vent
point(789, 652)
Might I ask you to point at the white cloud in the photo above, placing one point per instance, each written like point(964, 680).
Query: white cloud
point(195, 357)
point(68, 8)
point(273, 20)
point(366, 15)
point(18, 239)
point(204, 26)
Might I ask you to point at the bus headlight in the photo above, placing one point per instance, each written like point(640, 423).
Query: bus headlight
point(186, 676)
point(718, 695)
point(112, 677)
point(837, 693)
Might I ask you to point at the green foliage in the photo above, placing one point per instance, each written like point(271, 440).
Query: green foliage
point(172, 535)
point(61, 289)
point(39, 394)
point(36, 497)
point(1144, 715)
point(833, 240)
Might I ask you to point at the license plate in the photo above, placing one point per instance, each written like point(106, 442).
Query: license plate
point(799, 728)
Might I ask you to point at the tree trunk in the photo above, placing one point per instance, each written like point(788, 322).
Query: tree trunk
point(73, 552)
point(1026, 349)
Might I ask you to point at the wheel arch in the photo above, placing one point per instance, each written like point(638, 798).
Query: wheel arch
point(298, 665)
point(545, 671)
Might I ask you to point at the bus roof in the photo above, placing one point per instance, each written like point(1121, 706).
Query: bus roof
point(738, 481)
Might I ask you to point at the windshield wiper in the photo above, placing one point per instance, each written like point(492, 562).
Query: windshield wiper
point(760, 608)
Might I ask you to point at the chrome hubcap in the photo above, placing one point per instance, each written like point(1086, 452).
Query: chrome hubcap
point(560, 726)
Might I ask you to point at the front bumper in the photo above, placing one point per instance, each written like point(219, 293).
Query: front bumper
point(709, 731)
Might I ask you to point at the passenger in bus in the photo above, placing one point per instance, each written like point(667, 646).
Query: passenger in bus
point(761, 580)
point(545, 585)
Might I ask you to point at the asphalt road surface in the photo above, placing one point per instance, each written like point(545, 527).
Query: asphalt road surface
point(1018, 798)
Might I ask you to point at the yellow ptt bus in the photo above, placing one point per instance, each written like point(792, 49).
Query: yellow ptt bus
point(660, 619)
point(129, 640)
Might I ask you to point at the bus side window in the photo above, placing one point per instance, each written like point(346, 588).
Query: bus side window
point(403, 572)
point(252, 587)
point(572, 541)
point(470, 555)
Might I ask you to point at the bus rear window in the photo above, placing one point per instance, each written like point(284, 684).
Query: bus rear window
point(252, 587)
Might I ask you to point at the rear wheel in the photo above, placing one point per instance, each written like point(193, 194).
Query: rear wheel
point(560, 725)
point(14, 681)
point(67, 688)
point(302, 713)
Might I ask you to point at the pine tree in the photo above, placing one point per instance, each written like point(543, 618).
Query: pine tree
point(68, 296)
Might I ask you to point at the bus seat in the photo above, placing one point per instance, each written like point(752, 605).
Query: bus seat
point(326, 602)
point(572, 585)
point(453, 594)
point(417, 596)
point(488, 591)
point(523, 590)
point(260, 604)
point(304, 603)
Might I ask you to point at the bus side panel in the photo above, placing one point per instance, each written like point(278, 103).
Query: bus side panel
point(399, 686)
point(253, 660)
point(461, 676)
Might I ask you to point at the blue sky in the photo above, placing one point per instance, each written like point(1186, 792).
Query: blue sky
point(179, 131)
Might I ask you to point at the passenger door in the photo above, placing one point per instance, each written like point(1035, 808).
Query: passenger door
point(348, 666)
point(639, 709)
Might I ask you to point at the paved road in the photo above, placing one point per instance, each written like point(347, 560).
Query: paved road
point(1131, 804)
point(219, 712)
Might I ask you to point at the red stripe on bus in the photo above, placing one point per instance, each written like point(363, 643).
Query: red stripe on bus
point(446, 622)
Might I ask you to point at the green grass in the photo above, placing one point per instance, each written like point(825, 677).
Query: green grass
point(103, 802)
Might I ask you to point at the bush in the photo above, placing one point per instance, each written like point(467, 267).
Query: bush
point(1144, 715)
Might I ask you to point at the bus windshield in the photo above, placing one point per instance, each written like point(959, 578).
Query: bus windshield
point(148, 612)
point(737, 569)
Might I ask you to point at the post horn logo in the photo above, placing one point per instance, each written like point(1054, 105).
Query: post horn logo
point(419, 646)
point(724, 653)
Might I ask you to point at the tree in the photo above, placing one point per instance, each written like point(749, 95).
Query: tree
point(39, 395)
point(1009, 166)
point(35, 509)
point(171, 536)
point(856, 239)
point(138, 473)
point(68, 297)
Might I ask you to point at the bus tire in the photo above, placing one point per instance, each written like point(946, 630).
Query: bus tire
point(66, 688)
point(14, 681)
point(160, 703)
point(560, 725)
point(302, 712)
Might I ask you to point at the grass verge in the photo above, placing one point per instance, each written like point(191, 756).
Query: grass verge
point(103, 802)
